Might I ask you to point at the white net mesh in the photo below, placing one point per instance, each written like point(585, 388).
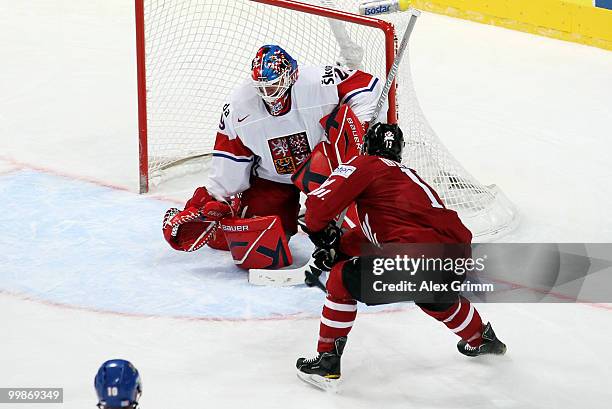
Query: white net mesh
point(197, 51)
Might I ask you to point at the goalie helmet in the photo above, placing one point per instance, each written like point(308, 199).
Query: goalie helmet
point(273, 72)
point(385, 140)
point(118, 385)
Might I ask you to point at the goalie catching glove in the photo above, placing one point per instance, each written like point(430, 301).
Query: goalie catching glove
point(187, 233)
point(196, 225)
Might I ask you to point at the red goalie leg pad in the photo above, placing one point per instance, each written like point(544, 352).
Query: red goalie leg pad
point(258, 242)
point(345, 134)
point(463, 319)
point(339, 311)
point(315, 170)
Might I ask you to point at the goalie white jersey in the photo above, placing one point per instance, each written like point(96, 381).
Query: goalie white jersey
point(250, 141)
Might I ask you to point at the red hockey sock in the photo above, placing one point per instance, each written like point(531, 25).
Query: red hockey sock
point(339, 311)
point(463, 319)
point(336, 321)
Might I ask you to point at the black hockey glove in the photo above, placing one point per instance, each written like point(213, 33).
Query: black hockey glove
point(324, 259)
point(328, 238)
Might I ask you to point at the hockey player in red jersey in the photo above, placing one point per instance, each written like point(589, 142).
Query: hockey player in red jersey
point(268, 129)
point(395, 206)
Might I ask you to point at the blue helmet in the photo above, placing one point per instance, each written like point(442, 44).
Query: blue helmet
point(118, 385)
point(273, 72)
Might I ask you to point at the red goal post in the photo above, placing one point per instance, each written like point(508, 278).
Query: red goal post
point(146, 164)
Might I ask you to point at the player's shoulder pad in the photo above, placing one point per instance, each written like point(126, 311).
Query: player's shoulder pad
point(241, 102)
point(371, 162)
point(342, 73)
point(388, 162)
point(243, 95)
point(310, 75)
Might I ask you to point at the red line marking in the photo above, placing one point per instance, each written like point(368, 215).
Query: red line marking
point(9, 171)
point(555, 294)
point(288, 317)
point(14, 169)
point(24, 165)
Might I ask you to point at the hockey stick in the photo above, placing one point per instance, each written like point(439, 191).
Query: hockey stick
point(296, 276)
point(396, 62)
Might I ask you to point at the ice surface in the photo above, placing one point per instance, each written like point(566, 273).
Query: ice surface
point(85, 275)
point(101, 248)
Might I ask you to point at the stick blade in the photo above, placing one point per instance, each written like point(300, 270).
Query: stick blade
point(276, 278)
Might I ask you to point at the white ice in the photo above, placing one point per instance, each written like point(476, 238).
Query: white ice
point(85, 275)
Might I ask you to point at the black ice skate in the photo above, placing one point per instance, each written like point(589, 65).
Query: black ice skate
point(490, 344)
point(322, 371)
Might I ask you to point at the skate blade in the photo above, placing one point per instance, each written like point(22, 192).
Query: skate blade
point(326, 384)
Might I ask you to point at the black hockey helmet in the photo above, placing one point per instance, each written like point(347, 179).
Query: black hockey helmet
point(385, 140)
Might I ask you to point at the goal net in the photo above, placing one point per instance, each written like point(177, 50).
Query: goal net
point(193, 53)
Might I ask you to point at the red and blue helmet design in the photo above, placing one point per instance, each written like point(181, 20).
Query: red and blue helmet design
point(273, 72)
point(118, 385)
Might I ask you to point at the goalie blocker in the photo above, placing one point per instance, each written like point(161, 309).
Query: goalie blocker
point(345, 134)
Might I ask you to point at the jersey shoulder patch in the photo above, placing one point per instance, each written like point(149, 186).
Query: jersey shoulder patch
point(344, 170)
point(348, 168)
